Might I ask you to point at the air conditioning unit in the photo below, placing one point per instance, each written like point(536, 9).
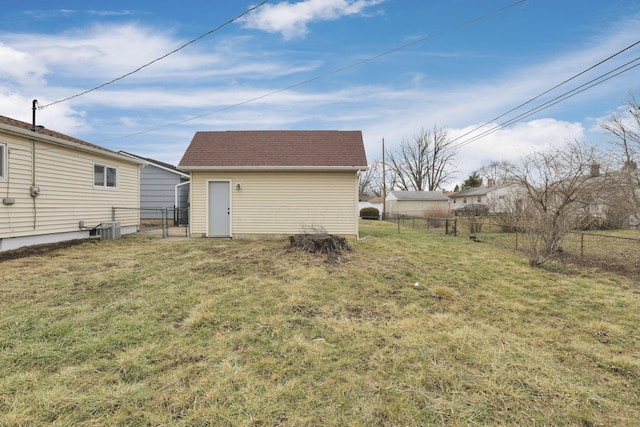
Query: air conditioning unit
point(109, 231)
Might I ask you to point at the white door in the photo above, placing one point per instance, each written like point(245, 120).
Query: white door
point(219, 209)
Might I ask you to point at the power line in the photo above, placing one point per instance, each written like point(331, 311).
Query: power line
point(335, 71)
point(42, 107)
point(547, 91)
point(569, 94)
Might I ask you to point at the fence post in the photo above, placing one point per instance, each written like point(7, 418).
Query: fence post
point(516, 240)
point(165, 231)
point(446, 227)
point(398, 224)
point(581, 245)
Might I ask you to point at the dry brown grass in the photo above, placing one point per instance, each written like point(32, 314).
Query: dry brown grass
point(206, 332)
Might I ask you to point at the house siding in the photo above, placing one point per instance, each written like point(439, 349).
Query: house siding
point(414, 207)
point(281, 203)
point(157, 191)
point(65, 178)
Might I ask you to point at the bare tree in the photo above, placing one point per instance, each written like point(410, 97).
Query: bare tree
point(560, 188)
point(423, 163)
point(370, 181)
point(496, 171)
point(625, 128)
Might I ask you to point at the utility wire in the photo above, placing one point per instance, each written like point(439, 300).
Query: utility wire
point(569, 94)
point(546, 92)
point(335, 71)
point(42, 107)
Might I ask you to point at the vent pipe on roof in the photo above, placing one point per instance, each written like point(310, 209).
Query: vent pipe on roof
point(33, 107)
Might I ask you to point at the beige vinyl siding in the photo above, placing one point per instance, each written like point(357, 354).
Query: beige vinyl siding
point(65, 178)
point(280, 203)
point(415, 207)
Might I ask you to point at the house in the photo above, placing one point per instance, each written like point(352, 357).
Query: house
point(162, 186)
point(494, 196)
point(55, 187)
point(249, 184)
point(415, 203)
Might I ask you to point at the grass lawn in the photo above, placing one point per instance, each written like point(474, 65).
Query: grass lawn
point(242, 333)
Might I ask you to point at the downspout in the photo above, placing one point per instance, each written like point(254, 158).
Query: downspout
point(176, 201)
point(358, 173)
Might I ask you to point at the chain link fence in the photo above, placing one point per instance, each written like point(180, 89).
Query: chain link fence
point(610, 252)
point(158, 222)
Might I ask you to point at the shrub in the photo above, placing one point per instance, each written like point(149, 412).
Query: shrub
point(369, 213)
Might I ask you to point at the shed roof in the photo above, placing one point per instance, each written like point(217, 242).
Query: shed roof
point(275, 149)
point(479, 191)
point(470, 192)
point(426, 196)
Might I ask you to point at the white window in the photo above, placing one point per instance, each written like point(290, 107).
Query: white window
point(3, 162)
point(105, 176)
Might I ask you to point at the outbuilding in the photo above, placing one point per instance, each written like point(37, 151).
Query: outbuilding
point(252, 184)
point(416, 203)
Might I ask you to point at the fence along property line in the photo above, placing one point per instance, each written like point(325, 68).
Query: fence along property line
point(615, 253)
point(619, 254)
point(178, 215)
point(448, 226)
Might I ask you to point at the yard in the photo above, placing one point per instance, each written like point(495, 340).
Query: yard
point(410, 329)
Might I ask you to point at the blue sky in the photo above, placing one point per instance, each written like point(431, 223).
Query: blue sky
point(277, 68)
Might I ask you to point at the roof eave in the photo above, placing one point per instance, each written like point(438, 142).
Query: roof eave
point(154, 164)
point(58, 141)
point(273, 168)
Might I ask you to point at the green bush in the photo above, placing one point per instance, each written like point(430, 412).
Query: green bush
point(369, 213)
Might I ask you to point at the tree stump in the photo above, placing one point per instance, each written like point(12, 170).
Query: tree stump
point(327, 244)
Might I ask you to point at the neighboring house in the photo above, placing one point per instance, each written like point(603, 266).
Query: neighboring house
point(415, 203)
point(612, 197)
point(247, 184)
point(375, 202)
point(54, 187)
point(162, 186)
point(494, 196)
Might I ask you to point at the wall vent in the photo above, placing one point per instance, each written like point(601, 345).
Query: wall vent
point(109, 231)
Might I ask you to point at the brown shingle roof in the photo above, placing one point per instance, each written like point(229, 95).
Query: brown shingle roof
point(44, 131)
point(277, 148)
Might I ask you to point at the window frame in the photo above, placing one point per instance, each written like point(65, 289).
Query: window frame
point(4, 161)
point(105, 176)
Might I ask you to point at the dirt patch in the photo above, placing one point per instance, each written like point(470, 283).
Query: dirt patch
point(46, 248)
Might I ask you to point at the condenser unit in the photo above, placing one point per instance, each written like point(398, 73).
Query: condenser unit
point(109, 231)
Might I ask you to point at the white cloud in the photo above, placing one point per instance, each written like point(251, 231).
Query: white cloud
point(20, 66)
point(292, 19)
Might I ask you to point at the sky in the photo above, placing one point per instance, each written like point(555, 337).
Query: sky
point(389, 68)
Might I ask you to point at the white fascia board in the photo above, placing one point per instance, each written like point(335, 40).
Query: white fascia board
point(147, 162)
point(53, 140)
point(182, 174)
